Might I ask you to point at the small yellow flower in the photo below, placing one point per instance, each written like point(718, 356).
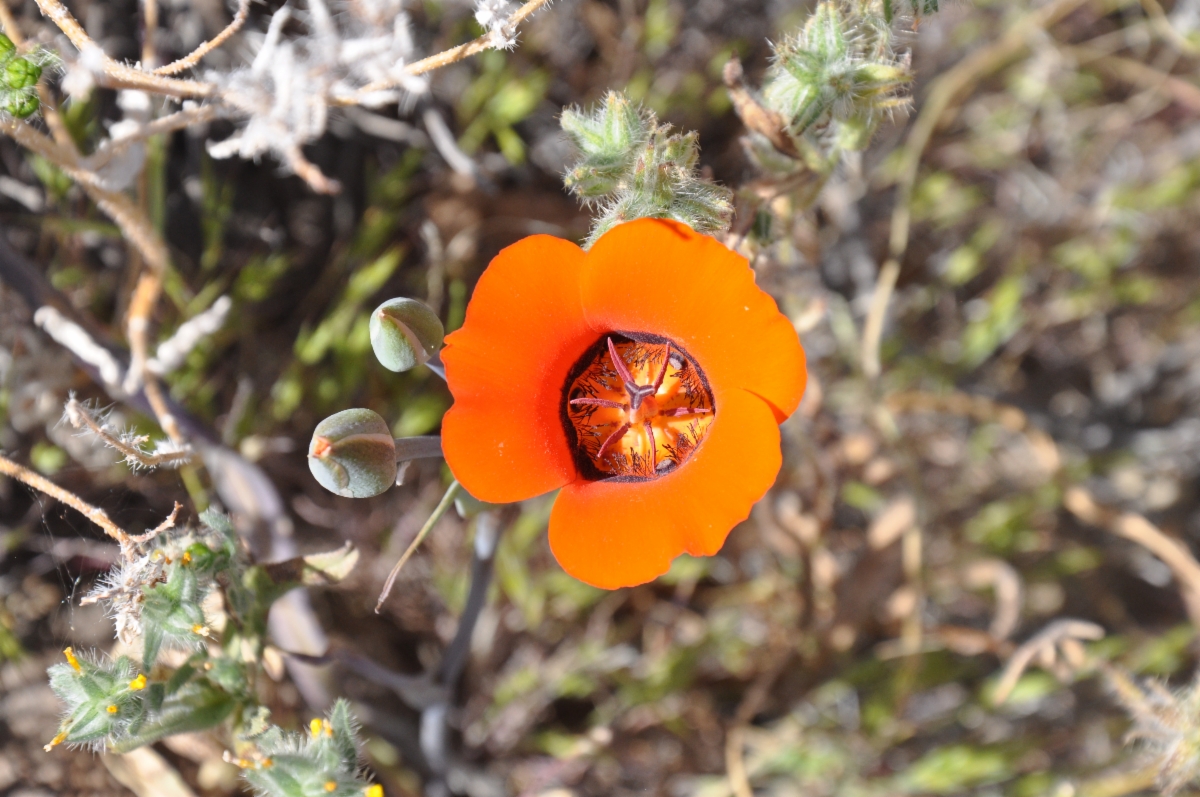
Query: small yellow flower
point(186, 558)
point(374, 790)
point(112, 709)
point(314, 728)
point(138, 684)
point(74, 662)
point(330, 785)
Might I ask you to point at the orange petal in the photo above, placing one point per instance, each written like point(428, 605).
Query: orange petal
point(506, 367)
point(659, 276)
point(614, 534)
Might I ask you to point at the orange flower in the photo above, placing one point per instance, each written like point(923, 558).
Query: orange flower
point(647, 378)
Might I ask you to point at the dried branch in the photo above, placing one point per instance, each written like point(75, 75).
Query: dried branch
point(170, 353)
point(1005, 582)
point(446, 57)
point(116, 74)
point(110, 148)
point(80, 418)
point(1158, 18)
point(49, 488)
point(193, 58)
point(1136, 528)
point(1065, 634)
point(307, 171)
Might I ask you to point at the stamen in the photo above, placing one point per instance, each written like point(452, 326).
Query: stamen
point(681, 411)
point(597, 402)
point(612, 438)
point(622, 368)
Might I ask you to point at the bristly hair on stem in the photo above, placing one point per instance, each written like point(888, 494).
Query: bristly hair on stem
point(632, 167)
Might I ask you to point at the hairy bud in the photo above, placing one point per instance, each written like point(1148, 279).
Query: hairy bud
point(353, 454)
point(636, 168)
point(324, 760)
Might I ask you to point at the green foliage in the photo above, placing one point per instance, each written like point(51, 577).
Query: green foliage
point(632, 167)
point(951, 770)
point(160, 593)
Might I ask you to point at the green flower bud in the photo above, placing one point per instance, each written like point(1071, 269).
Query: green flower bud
point(7, 48)
point(405, 334)
point(21, 74)
point(22, 105)
point(353, 453)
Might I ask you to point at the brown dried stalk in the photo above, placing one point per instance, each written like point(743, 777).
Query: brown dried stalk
point(80, 418)
point(193, 58)
point(94, 514)
point(1136, 528)
point(446, 57)
point(120, 76)
point(1064, 635)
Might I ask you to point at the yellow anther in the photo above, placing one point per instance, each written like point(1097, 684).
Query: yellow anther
point(186, 558)
point(330, 785)
point(112, 709)
point(74, 662)
point(327, 727)
point(138, 684)
point(267, 763)
point(166, 559)
point(55, 742)
point(314, 728)
point(374, 790)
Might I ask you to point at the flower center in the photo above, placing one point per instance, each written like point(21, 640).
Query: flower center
point(635, 406)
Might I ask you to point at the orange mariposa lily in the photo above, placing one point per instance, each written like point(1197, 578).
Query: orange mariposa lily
point(646, 378)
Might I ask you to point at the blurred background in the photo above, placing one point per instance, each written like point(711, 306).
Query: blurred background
point(893, 618)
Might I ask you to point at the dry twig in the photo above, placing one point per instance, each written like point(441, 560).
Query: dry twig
point(80, 417)
point(92, 513)
point(446, 57)
point(193, 58)
point(1136, 528)
point(1060, 635)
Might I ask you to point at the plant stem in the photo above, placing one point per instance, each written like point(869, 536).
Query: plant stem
point(446, 502)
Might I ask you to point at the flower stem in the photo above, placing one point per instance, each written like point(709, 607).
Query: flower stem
point(446, 502)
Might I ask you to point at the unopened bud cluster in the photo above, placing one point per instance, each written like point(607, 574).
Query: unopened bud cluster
point(835, 79)
point(632, 167)
point(19, 75)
